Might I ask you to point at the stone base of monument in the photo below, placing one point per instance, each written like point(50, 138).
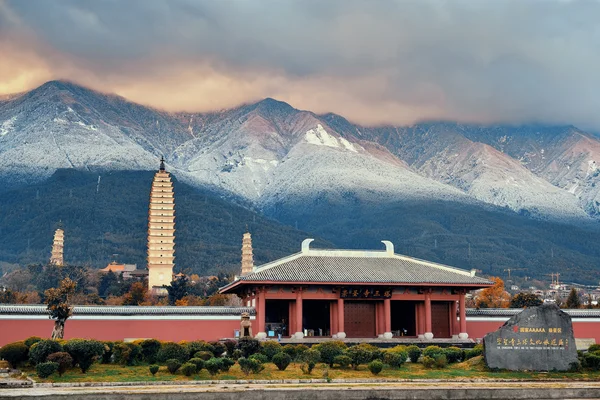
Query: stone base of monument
point(536, 339)
point(299, 335)
point(428, 336)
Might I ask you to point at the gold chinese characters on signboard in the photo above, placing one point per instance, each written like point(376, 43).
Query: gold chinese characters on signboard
point(365, 293)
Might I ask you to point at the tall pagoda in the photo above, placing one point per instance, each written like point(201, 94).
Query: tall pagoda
point(247, 256)
point(161, 231)
point(58, 245)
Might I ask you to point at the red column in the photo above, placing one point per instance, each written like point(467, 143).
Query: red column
point(334, 318)
point(291, 319)
point(428, 333)
point(340, 307)
point(463, 317)
point(453, 310)
point(260, 311)
point(387, 318)
point(299, 330)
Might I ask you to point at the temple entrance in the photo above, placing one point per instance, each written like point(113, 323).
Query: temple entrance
point(277, 319)
point(440, 319)
point(316, 317)
point(404, 318)
point(359, 319)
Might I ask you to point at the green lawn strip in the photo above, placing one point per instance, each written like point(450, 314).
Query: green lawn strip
point(117, 373)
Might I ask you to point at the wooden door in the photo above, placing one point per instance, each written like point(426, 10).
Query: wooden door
point(359, 319)
point(440, 319)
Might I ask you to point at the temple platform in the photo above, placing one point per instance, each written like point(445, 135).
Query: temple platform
point(383, 343)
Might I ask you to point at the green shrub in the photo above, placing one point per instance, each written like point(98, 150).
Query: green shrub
point(359, 355)
point(433, 351)
point(300, 349)
point(248, 346)
point(41, 350)
point(213, 366)
point(84, 352)
point(153, 369)
point(199, 345)
point(330, 350)
point(188, 369)
point(173, 365)
point(30, 341)
point(395, 359)
point(108, 352)
point(226, 363)
point(150, 349)
point(15, 353)
point(343, 361)
point(261, 358)
point(230, 345)
point(63, 359)
point(290, 350)
point(46, 369)
point(281, 360)
point(270, 348)
point(204, 355)
point(428, 362)
point(171, 350)
point(198, 362)
point(474, 352)
point(591, 361)
point(414, 352)
point(218, 348)
point(127, 353)
point(375, 367)
point(454, 354)
point(237, 353)
point(310, 358)
point(248, 365)
point(591, 349)
point(441, 361)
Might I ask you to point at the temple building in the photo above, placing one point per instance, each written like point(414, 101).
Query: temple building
point(247, 256)
point(357, 294)
point(161, 231)
point(58, 246)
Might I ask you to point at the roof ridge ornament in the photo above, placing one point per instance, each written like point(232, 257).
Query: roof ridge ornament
point(162, 164)
point(389, 246)
point(306, 245)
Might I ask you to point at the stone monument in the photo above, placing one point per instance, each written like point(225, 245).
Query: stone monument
point(246, 326)
point(537, 339)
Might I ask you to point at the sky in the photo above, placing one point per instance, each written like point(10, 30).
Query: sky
point(372, 61)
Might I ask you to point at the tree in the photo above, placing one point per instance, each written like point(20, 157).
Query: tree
point(522, 300)
point(7, 296)
point(494, 296)
point(178, 289)
point(59, 305)
point(136, 295)
point(573, 299)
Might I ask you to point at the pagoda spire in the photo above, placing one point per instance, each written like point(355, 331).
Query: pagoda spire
point(162, 164)
point(247, 256)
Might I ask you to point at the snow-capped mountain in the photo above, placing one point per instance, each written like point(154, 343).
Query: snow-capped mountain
point(269, 152)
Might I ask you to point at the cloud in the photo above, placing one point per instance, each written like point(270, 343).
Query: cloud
point(373, 62)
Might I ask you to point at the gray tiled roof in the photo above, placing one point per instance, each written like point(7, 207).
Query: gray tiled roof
point(8, 309)
point(392, 269)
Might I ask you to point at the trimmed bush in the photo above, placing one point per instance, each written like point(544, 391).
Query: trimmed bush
point(226, 364)
point(359, 355)
point(330, 350)
point(198, 362)
point(474, 352)
point(300, 349)
point(375, 367)
point(153, 369)
point(218, 348)
point(428, 362)
point(15, 353)
point(433, 351)
point(42, 349)
point(310, 359)
point(30, 341)
point(188, 369)
point(270, 348)
point(454, 354)
point(441, 361)
point(171, 350)
point(343, 361)
point(63, 359)
point(46, 369)
point(260, 358)
point(84, 352)
point(237, 353)
point(199, 345)
point(591, 349)
point(108, 352)
point(127, 353)
point(230, 345)
point(248, 346)
point(173, 365)
point(248, 365)
point(204, 355)
point(150, 349)
point(213, 366)
point(281, 360)
point(591, 361)
point(395, 359)
point(414, 352)
point(290, 350)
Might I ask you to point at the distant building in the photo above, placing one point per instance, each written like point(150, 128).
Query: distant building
point(57, 256)
point(128, 270)
point(161, 231)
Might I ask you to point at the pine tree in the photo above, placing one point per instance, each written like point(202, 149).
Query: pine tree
point(573, 299)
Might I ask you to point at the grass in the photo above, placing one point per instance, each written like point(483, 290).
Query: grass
point(473, 369)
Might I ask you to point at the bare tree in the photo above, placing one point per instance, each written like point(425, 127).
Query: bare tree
point(59, 305)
